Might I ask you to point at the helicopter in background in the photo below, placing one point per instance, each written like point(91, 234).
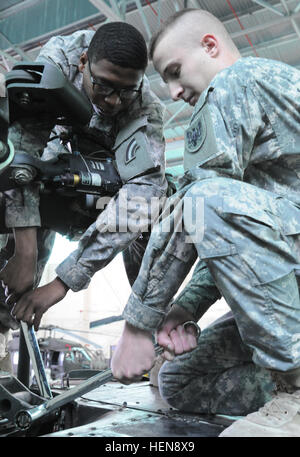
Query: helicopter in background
point(61, 356)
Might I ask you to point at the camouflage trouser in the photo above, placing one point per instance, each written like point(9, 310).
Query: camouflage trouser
point(133, 256)
point(251, 245)
point(218, 377)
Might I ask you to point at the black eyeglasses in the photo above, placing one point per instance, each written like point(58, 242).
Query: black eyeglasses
point(107, 91)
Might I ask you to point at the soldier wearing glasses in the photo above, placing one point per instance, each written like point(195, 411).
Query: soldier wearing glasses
point(108, 66)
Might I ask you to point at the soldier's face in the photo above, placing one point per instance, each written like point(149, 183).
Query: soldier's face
point(186, 68)
point(111, 88)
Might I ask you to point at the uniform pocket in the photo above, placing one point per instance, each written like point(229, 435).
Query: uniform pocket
point(238, 207)
point(265, 252)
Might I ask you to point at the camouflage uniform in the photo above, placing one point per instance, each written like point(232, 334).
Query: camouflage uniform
point(98, 245)
point(238, 210)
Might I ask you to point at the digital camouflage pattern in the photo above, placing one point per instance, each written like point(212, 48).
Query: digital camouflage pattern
point(218, 377)
point(99, 244)
point(249, 187)
point(200, 285)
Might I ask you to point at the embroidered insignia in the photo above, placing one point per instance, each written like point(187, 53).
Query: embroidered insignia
point(195, 135)
point(131, 150)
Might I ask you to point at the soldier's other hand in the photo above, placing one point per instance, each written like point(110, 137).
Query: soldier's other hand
point(32, 305)
point(134, 355)
point(174, 336)
point(18, 276)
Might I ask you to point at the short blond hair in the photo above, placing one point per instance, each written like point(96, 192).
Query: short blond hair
point(199, 21)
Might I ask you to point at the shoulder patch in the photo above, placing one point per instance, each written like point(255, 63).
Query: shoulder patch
point(131, 151)
point(195, 134)
point(200, 140)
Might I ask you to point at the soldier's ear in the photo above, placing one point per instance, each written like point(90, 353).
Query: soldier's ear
point(82, 61)
point(210, 44)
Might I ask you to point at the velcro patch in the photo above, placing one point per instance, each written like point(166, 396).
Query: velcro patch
point(200, 140)
point(131, 151)
point(195, 134)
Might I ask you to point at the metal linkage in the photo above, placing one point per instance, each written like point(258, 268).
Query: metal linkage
point(36, 360)
point(25, 418)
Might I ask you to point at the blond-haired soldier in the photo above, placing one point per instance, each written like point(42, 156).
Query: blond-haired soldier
point(241, 216)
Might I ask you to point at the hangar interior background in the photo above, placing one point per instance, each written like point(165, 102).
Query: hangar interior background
point(263, 28)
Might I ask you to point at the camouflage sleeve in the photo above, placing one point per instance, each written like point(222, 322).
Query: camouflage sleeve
point(124, 218)
point(22, 205)
point(52, 52)
point(233, 120)
point(64, 51)
point(132, 211)
point(200, 293)
point(167, 260)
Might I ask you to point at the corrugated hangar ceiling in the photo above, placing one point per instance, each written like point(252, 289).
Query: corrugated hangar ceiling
point(264, 28)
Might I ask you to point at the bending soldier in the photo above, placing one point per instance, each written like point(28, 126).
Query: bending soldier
point(237, 210)
point(107, 66)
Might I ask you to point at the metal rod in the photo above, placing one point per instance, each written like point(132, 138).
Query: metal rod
point(36, 360)
point(18, 7)
point(265, 25)
point(142, 14)
point(296, 27)
point(8, 56)
point(177, 6)
point(23, 372)
point(266, 5)
point(17, 49)
point(182, 108)
point(159, 13)
point(105, 9)
point(284, 4)
point(297, 8)
point(105, 321)
point(25, 418)
point(115, 7)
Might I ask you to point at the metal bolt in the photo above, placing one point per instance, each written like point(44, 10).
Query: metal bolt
point(23, 175)
point(23, 420)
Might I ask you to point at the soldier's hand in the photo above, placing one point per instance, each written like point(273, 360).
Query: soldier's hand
point(18, 276)
point(32, 305)
point(175, 337)
point(133, 356)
